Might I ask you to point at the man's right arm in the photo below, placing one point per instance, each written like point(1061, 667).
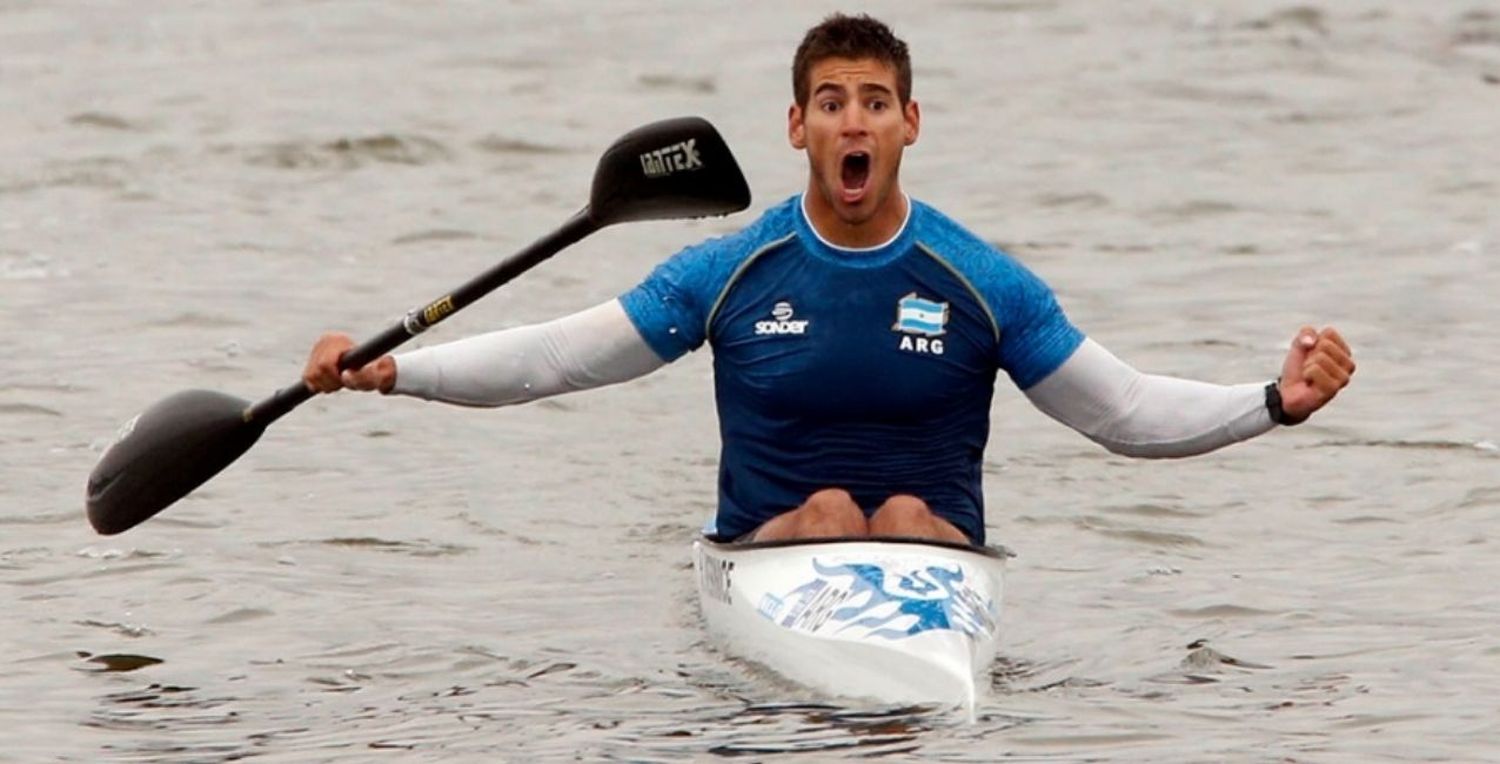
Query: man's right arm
point(592, 348)
point(658, 321)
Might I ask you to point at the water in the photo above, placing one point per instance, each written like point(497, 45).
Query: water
point(189, 193)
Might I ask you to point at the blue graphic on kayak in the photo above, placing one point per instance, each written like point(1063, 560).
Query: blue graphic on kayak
point(855, 597)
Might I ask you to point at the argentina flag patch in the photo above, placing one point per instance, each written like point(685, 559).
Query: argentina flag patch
point(917, 315)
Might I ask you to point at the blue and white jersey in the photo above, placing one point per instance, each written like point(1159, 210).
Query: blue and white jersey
point(869, 370)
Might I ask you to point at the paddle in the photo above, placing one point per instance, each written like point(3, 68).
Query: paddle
point(678, 168)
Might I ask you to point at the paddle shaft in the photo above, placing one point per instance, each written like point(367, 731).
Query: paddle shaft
point(419, 320)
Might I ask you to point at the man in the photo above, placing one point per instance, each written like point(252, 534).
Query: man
point(857, 334)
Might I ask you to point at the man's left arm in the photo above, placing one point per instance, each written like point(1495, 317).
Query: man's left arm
point(1147, 415)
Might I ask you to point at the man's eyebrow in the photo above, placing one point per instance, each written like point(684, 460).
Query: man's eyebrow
point(865, 88)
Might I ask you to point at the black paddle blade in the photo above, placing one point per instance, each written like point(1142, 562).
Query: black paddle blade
point(164, 453)
point(676, 168)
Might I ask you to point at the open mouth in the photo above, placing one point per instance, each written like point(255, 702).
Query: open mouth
point(854, 173)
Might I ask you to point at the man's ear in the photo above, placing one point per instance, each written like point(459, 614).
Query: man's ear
point(796, 130)
point(912, 115)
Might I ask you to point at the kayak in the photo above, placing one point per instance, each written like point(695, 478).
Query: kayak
point(891, 620)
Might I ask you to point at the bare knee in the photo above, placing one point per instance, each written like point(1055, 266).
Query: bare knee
point(904, 506)
point(832, 512)
point(899, 514)
point(826, 513)
point(830, 500)
point(906, 515)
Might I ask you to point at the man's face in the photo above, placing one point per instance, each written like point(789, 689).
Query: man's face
point(854, 129)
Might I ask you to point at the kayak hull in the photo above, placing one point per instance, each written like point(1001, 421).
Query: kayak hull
point(892, 620)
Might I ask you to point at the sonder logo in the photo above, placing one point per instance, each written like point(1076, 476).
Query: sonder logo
point(674, 158)
point(782, 323)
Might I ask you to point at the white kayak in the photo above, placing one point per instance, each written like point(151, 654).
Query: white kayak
point(893, 620)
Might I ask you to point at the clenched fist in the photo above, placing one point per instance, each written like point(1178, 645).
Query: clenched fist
point(1316, 369)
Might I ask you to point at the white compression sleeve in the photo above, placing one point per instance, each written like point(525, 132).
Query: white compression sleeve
point(1146, 415)
point(592, 348)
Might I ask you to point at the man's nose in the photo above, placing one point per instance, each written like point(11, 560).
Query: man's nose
point(856, 120)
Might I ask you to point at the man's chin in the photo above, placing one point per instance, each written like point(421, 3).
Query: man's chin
point(853, 216)
point(851, 210)
point(860, 210)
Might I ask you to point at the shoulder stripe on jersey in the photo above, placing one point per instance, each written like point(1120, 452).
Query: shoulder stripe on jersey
point(983, 304)
point(733, 277)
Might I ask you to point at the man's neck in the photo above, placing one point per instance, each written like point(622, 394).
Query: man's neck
point(877, 231)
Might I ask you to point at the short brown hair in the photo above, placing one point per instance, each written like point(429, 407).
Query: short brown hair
point(852, 37)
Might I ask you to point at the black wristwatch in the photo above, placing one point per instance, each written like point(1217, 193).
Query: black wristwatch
point(1273, 405)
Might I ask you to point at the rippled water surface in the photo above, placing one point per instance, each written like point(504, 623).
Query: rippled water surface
point(189, 193)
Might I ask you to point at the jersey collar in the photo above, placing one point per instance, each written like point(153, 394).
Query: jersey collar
point(864, 257)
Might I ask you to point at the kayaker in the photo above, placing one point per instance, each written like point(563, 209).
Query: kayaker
point(857, 334)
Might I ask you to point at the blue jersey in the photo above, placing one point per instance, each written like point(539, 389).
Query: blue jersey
point(868, 370)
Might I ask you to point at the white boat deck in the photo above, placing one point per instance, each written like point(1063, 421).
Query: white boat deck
point(893, 620)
